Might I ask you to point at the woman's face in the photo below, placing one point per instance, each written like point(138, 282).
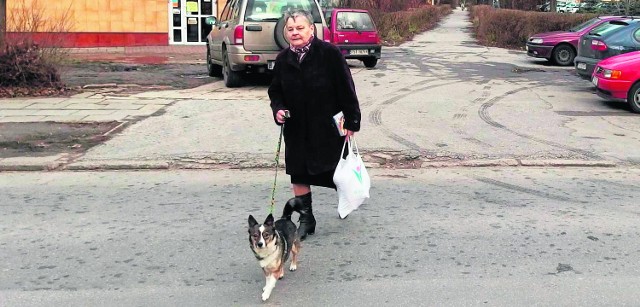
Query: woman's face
point(298, 31)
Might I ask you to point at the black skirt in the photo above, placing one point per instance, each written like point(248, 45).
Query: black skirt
point(321, 180)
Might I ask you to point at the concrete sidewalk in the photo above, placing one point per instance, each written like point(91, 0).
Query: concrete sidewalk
point(216, 127)
point(144, 54)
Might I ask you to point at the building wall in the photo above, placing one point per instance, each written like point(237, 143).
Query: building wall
point(90, 23)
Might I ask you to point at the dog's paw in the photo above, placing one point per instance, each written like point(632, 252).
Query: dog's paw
point(265, 295)
point(293, 267)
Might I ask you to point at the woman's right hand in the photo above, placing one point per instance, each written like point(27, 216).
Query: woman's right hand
point(280, 116)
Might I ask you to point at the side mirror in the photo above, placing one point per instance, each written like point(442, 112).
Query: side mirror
point(211, 20)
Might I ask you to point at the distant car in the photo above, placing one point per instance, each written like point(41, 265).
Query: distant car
point(354, 32)
point(618, 78)
point(249, 34)
point(560, 47)
point(561, 6)
point(572, 7)
point(604, 41)
point(543, 7)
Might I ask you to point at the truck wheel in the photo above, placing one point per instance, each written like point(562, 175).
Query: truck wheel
point(563, 55)
point(370, 62)
point(633, 98)
point(213, 69)
point(231, 78)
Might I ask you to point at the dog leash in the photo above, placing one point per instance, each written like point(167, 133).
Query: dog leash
point(275, 179)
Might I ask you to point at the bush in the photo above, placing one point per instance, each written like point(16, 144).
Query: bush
point(25, 68)
point(22, 65)
point(385, 5)
point(490, 25)
point(397, 27)
point(399, 20)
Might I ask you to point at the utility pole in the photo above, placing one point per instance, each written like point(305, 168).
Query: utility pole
point(3, 22)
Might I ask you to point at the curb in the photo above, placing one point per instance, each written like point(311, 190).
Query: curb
point(167, 165)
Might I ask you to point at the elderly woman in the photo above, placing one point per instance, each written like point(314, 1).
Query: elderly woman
point(311, 80)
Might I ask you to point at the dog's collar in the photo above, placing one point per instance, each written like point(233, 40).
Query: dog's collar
point(258, 257)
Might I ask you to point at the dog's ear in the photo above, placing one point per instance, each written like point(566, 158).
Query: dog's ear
point(252, 221)
point(269, 220)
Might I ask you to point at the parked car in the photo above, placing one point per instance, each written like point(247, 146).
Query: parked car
point(249, 34)
point(604, 41)
point(354, 32)
point(560, 47)
point(571, 7)
point(544, 7)
point(618, 78)
point(561, 6)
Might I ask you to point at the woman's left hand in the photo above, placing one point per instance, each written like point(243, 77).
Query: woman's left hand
point(349, 133)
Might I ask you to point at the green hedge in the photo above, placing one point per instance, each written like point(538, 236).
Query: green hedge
point(511, 28)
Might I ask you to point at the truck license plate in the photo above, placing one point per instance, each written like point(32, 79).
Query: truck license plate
point(359, 52)
point(582, 66)
point(271, 64)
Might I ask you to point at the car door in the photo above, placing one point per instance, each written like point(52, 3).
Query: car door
point(260, 18)
point(224, 27)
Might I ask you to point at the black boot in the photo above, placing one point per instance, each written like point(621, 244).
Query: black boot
point(307, 221)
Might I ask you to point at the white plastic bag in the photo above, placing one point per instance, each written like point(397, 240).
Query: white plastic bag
point(351, 179)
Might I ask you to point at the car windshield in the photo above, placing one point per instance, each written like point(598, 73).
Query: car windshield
point(356, 21)
point(272, 10)
point(584, 25)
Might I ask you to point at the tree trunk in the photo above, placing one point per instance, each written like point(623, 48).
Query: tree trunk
point(3, 22)
point(552, 6)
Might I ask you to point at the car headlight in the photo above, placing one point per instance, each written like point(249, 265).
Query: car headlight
point(612, 74)
point(536, 40)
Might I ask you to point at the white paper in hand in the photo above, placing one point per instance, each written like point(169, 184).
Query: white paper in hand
point(338, 121)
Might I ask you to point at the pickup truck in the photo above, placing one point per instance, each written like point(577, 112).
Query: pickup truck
point(355, 34)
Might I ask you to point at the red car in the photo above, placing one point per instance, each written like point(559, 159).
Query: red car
point(618, 78)
point(354, 32)
point(560, 47)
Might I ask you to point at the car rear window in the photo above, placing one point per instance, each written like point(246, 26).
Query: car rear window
point(608, 27)
point(272, 10)
point(356, 21)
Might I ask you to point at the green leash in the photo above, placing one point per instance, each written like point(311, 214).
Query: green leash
point(273, 191)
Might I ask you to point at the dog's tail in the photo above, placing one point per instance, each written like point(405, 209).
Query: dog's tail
point(288, 208)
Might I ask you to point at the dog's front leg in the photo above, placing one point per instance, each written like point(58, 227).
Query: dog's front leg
point(269, 285)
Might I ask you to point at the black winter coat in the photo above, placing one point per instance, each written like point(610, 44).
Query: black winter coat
point(313, 91)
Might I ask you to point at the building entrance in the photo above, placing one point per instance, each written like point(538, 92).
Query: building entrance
point(187, 21)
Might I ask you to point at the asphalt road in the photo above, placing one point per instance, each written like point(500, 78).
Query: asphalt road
point(552, 236)
point(448, 237)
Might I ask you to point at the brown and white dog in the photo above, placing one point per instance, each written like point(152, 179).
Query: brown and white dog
point(272, 243)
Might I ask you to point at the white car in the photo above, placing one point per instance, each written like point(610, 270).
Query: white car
point(572, 7)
